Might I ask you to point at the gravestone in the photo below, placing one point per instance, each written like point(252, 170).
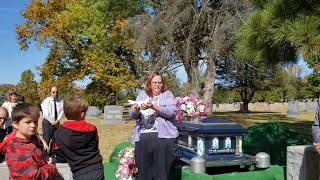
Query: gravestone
point(93, 111)
point(302, 163)
point(236, 106)
point(251, 107)
point(261, 106)
point(215, 107)
point(311, 106)
point(293, 108)
point(112, 114)
point(302, 106)
point(276, 107)
point(228, 107)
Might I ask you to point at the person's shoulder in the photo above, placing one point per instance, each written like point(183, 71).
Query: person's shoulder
point(5, 103)
point(47, 99)
point(81, 126)
point(142, 93)
point(167, 93)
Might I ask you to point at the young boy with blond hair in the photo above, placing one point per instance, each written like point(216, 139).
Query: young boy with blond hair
point(77, 142)
point(22, 148)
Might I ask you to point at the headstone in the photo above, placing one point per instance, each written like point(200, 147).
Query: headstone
point(251, 107)
point(220, 107)
point(293, 108)
point(228, 107)
point(302, 106)
point(63, 170)
point(236, 106)
point(302, 163)
point(311, 106)
point(112, 114)
point(93, 111)
point(215, 107)
point(261, 106)
point(276, 107)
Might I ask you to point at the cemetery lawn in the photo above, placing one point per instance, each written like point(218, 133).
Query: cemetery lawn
point(111, 135)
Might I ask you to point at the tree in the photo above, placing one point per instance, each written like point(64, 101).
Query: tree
point(224, 94)
point(288, 85)
point(247, 79)
point(279, 30)
point(195, 34)
point(86, 40)
point(4, 89)
point(28, 87)
point(173, 84)
point(311, 86)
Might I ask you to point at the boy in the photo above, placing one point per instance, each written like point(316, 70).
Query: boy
point(77, 142)
point(23, 150)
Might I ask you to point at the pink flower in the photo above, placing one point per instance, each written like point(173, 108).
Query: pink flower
point(127, 166)
point(190, 107)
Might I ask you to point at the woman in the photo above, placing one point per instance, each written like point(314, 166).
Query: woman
point(155, 132)
point(9, 105)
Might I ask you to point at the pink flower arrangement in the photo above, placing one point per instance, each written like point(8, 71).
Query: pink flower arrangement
point(127, 169)
point(190, 107)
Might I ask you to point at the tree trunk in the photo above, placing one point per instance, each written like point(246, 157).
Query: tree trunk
point(210, 77)
point(245, 107)
point(246, 96)
point(194, 78)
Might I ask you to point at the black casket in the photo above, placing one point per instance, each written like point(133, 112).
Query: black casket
point(217, 140)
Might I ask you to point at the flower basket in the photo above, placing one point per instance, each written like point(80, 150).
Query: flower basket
point(190, 108)
point(127, 169)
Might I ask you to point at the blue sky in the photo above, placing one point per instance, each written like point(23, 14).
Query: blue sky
point(13, 60)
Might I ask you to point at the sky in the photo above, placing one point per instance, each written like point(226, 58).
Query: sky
point(14, 61)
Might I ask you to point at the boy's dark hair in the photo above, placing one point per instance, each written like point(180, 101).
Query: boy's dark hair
point(73, 107)
point(25, 110)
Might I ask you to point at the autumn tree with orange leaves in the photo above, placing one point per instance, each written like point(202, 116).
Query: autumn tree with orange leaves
point(87, 39)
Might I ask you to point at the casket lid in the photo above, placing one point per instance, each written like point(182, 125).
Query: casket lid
point(212, 125)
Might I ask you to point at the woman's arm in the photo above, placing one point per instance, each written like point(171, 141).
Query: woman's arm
point(168, 109)
point(134, 111)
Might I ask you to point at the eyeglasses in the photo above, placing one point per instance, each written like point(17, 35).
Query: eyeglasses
point(156, 83)
point(13, 94)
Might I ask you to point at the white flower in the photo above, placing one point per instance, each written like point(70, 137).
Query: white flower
point(201, 108)
point(183, 107)
point(190, 105)
point(191, 109)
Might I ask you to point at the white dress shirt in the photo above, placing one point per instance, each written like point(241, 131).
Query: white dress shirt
point(9, 106)
point(47, 107)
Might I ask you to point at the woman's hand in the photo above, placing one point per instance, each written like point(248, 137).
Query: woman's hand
point(135, 108)
point(147, 105)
